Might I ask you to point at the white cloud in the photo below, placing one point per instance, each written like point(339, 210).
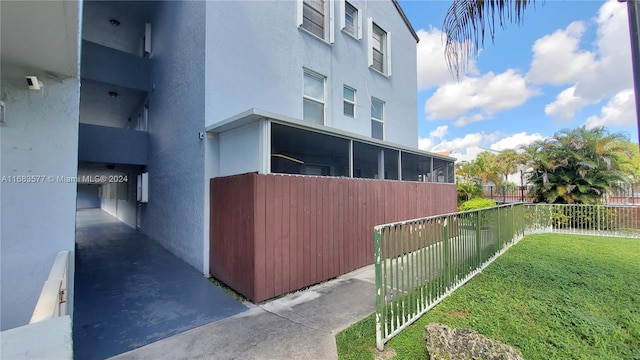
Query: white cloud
point(565, 105)
point(439, 132)
point(515, 140)
point(435, 142)
point(465, 120)
point(593, 75)
point(425, 144)
point(489, 93)
point(557, 58)
point(457, 144)
point(432, 66)
point(620, 110)
point(481, 139)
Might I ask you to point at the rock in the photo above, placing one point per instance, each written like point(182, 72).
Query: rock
point(444, 343)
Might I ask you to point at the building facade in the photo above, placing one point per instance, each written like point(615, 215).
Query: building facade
point(183, 92)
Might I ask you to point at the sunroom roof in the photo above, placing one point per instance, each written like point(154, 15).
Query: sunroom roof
point(253, 115)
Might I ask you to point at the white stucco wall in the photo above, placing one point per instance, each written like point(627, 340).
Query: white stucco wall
point(256, 55)
point(174, 216)
point(240, 150)
point(40, 138)
point(49, 339)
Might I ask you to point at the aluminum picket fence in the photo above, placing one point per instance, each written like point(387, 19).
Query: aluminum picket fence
point(420, 262)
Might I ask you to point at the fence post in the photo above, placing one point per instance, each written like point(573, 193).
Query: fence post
point(447, 254)
point(498, 228)
point(379, 300)
point(478, 237)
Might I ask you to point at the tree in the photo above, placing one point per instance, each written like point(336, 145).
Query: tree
point(487, 168)
point(466, 172)
point(468, 190)
point(631, 166)
point(507, 162)
point(576, 166)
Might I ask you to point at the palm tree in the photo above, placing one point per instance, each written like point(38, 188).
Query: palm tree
point(576, 166)
point(486, 169)
point(507, 162)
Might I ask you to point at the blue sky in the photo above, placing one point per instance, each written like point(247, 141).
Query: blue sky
point(568, 65)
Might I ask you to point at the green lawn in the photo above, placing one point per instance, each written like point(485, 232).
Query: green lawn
point(551, 296)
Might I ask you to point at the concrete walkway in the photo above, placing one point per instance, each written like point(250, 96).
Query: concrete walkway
point(130, 291)
point(301, 325)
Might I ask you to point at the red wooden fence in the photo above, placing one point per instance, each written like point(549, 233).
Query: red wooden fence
point(273, 234)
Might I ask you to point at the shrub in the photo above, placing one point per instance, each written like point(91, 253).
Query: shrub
point(468, 191)
point(476, 203)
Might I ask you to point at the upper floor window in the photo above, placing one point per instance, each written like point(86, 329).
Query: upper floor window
point(316, 17)
point(349, 95)
point(313, 17)
point(351, 20)
point(313, 97)
point(379, 55)
point(377, 119)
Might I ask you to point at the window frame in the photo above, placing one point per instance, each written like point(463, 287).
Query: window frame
point(385, 51)
point(306, 97)
point(347, 101)
point(357, 18)
point(381, 120)
point(328, 21)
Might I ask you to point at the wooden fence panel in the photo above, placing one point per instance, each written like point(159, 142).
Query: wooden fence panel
point(273, 234)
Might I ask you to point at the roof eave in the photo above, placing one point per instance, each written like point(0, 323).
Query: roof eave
point(406, 20)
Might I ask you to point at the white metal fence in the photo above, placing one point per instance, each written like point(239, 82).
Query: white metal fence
point(420, 262)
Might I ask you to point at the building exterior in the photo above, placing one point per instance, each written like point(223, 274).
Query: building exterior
point(185, 92)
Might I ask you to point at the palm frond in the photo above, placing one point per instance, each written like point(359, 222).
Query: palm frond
point(465, 23)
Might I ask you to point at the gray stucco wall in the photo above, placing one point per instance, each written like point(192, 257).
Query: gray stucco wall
point(88, 196)
point(258, 63)
point(174, 216)
point(120, 199)
point(40, 138)
point(112, 145)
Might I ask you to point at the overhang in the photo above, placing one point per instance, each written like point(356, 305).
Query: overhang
point(41, 35)
point(253, 115)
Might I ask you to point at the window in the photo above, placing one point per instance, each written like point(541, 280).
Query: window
point(378, 37)
point(351, 22)
point(349, 101)
point(303, 152)
point(377, 119)
point(416, 167)
point(315, 17)
point(313, 99)
point(379, 49)
point(374, 162)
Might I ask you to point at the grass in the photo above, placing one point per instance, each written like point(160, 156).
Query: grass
point(550, 296)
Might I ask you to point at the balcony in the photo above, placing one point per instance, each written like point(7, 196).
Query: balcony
point(104, 144)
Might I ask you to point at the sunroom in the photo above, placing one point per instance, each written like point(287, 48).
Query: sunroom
point(294, 203)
